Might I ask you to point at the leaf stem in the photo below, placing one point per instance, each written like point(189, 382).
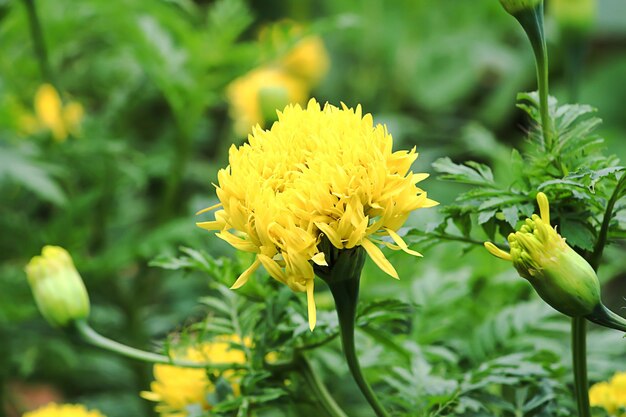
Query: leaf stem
point(316, 384)
point(346, 294)
point(579, 362)
point(92, 337)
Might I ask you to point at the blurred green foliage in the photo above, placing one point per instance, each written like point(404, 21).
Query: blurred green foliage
point(458, 335)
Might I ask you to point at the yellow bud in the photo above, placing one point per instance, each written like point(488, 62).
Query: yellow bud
point(58, 289)
point(515, 6)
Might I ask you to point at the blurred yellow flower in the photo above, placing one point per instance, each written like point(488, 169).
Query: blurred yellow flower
point(57, 287)
point(63, 410)
point(61, 119)
point(610, 395)
point(574, 14)
point(255, 97)
point(317, 173)
point(178, 390)
point(308, 60)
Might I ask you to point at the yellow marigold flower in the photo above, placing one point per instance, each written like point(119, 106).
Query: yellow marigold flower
point(58, 289)
point(318, 174)
point(178, 390)
point(561, 276)
point(62, 120)
point(610, 395)
point(308, 60)
point(63, 410)
point(255, 97)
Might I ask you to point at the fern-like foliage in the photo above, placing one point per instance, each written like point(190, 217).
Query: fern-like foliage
point(571, 169)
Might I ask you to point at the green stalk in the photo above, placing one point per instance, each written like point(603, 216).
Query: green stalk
point(346, 294)
point(92, 337)
point(39, 43)
point(532, 22)
point(579, 362)
point(316, 384)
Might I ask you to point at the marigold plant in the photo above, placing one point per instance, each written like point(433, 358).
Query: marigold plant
point(317, 173)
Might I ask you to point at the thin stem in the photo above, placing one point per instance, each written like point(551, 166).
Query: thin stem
point(38, 42)
point(90, 336)
point(316, 384)
point(346, 294)
point(579, 362)
point(606, 221)
point(532, 22)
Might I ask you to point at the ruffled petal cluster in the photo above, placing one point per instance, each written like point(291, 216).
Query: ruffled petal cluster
point(178, 390)
point(317, 173)
point(63, 410)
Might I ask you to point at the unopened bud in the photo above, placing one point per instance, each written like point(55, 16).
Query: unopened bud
point(58, 289)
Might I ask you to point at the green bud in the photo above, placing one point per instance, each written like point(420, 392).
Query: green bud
point(560, 276)
point(58, 289)
point(515, 6)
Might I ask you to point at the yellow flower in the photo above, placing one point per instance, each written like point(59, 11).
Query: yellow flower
point(318, 174)
point(178, 390)
point(62, 120)
point(610, 395)
point(63, 410)
point(308, 60)
point(255, 97)
point(574, 14)
point(561, 276)
point(57, 286)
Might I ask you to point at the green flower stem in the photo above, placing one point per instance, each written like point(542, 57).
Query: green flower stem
point(346, 294)
point(92, 337)
point(316, 384)
point(605, 317)
point(38, 42)
point(532, 22)
point(579, 362)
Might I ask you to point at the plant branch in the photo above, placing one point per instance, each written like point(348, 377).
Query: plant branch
point(92, 337)
point(579, 363)
point(606, 221)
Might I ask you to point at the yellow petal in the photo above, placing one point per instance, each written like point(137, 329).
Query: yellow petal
point(379, 259)
point(310, 299)
point(331, 234)
point(419, 177)
point(401, 243)
point(496, 251)
point(319, 259)
point(204, 210)
point(48, 107)
point(213, 225)
point(544, 207)
point(237, 242)
point(272, 267)
point(243, 278)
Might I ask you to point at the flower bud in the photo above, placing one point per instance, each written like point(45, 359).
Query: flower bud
point(57, 287)
point(559, 275)
point(515, 6)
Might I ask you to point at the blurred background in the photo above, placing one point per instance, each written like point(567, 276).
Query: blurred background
point(116, 116)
